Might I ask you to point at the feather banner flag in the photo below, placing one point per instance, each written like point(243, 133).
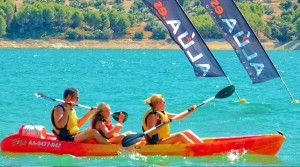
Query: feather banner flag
point(186, 36)
point(235, 29)
point(239, 34)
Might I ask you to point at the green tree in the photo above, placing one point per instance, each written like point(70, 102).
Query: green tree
point(105, 20)
point(76, 18)
point(75, 4)
point(256, 22)
point(286, 4)
point(113, 18)
point(30, 17)
point(48, 16)
point(132, 19)
point(23, 15)
point(122, 24)
point(283, 31)
point(36, 18)
point(76, 34)
point(159, 32)
point(93, 19)
point(2, 13)
point(8, 7)
point(119, 7)
point(268, 10)
point(287, 15)
point(2, 26)
point(107, 34)
point(60, 1)
point(200, 11)
point(256, 8)
point(139, 10)
point(206, 27)
point(138, 35)
point(181, 2)
point(298, 28)
point(62, 16)
point(150, 24)
point(99, 3)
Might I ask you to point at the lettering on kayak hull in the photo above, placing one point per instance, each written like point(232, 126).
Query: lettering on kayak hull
point(20, 142)
point(44, 144)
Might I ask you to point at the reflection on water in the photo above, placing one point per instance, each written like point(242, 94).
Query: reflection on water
point(232, 158)
point(262, 159)
point(249, 159)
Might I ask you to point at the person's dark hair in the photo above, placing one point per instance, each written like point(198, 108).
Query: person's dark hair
point(70, 91)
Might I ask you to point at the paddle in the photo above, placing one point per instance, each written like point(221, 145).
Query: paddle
point(115, 115)
point(134, 138)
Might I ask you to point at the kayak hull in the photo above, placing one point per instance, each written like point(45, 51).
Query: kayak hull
point(266, 144)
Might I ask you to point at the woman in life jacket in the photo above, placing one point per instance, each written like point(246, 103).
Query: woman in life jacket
point(102, 122)
point(157, 115)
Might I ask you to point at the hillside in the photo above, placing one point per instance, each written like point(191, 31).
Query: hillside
point(274, 4)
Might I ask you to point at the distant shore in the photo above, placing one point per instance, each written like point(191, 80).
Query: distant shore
point(130, 44)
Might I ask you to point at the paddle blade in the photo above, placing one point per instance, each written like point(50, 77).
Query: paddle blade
point(41, 95)
point(115, 115)
point(131, 139)
point(226, 92)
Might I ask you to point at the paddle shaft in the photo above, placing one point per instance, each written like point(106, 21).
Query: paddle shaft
point(115, 115)
point(61, 101)
point(78, 105)
point(206, 101)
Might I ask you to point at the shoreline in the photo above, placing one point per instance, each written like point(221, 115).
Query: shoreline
point(131, 44)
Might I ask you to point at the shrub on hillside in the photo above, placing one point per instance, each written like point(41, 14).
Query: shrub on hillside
point(107, 34)
point(139, 35)
point(159, 32)
point(149, 26)
point(76, 34)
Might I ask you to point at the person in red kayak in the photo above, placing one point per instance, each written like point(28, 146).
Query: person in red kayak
point(66, 123)
point(101, 121)
point(157, 115)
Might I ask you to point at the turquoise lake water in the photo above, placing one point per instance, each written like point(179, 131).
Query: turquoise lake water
point(125, 78)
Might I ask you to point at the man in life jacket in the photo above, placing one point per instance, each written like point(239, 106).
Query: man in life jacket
point(66, 123)
point(156, 115)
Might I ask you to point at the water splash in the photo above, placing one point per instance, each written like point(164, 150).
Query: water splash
point(235, 155)
point(131, 154)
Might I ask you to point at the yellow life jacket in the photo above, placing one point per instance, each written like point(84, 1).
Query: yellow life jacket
point(72, 123)
point(163, 132)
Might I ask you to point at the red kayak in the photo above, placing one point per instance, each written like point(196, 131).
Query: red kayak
point(36, 140)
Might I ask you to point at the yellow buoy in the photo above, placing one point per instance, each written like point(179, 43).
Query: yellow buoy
point(295, 101)
point(243, 101)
